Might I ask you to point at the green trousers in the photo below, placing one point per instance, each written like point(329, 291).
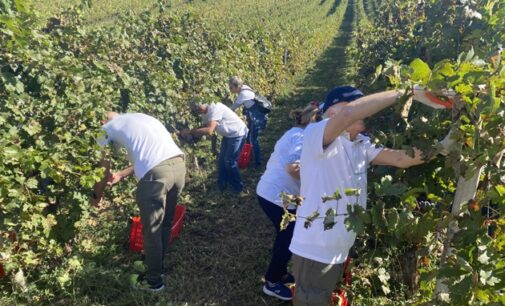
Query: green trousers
point(315, 281)
point(157, 194)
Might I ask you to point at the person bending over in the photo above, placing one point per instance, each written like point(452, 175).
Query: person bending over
point(221, 119)
point(158, 165)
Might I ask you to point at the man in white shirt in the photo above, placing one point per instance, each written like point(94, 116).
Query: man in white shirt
point(336, 156)
point(159, 166)
point(256, 117)
point(225, 122)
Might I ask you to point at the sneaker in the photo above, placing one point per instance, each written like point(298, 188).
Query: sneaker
point(278, 290)
point(138, 282)
point(288, 279)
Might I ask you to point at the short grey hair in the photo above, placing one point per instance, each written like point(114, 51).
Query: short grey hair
point(236, 81)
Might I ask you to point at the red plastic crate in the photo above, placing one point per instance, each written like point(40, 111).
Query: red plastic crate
point(136, 242)
point(339, 296)
point(244, 158)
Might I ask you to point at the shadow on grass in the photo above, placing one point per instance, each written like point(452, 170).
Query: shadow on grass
point(333, 68)
point(334, 7)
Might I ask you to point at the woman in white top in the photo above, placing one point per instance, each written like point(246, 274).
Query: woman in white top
point(283, 175)
point(256, 118)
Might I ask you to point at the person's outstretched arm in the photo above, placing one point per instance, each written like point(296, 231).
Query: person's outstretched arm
point(115, 177)
point(398, 158)
point(238, 103)
point(402, 158)
point(208, 130)
point(356, 110)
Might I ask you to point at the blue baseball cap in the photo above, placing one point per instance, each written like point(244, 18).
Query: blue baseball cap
point(341, 94)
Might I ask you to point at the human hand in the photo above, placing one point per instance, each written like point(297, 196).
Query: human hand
point(186, 133)
point(114, 178)
point(419, 156)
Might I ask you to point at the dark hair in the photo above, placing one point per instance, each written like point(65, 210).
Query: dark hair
point(304, 116)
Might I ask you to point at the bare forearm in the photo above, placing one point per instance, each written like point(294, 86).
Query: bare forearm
point(208, 130)
point(368, 106)
point(126, 171)
point(399, 158)
point(406, 161)
point(201, 131)
point(357, 110)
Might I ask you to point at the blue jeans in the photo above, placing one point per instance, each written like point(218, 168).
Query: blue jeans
point(280, 253)
point(256, 121)
point(228, 171)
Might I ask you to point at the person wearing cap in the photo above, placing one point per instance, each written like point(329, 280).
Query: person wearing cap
point(283, 175)
point(256, 118)
point(221, 119)
point(336, 156)
point(158, 164)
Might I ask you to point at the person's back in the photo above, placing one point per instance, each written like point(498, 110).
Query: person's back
point(160, 168)
point(145, 138)
point(229, 123)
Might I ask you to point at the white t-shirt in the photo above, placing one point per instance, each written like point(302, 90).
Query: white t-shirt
point(343, 164)
point(245, 97)
point(146, 140)
point(229, 123)
point(276, 179)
